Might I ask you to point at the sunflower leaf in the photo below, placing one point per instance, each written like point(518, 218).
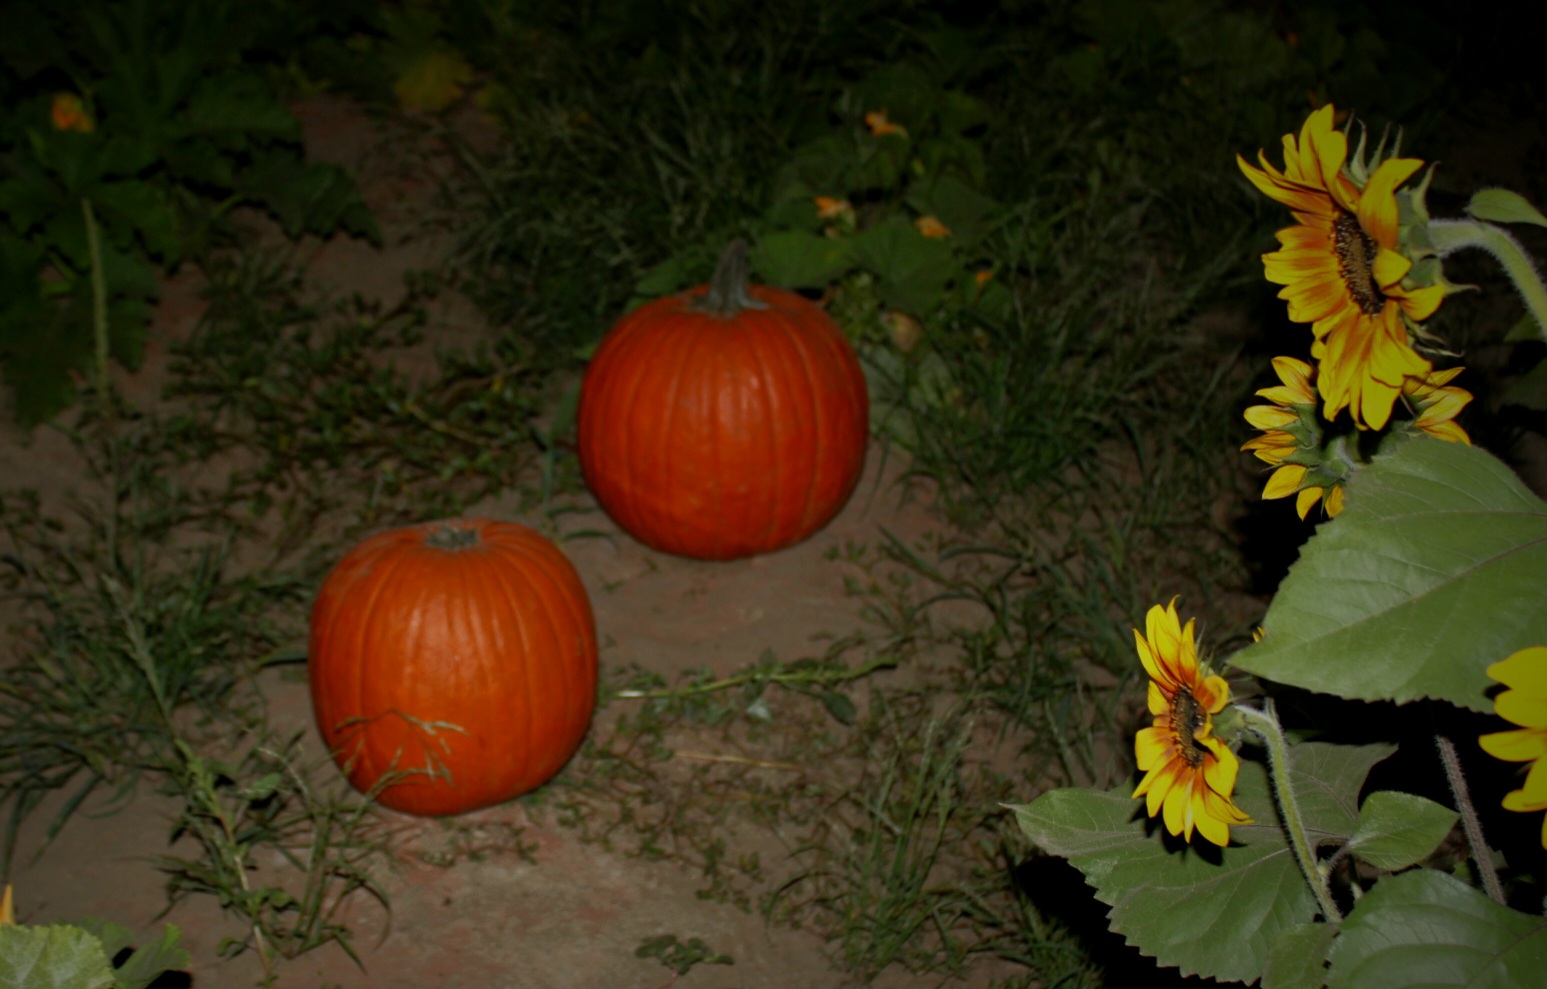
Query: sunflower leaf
point(1426, 928)
point(1298, 958)
point(1503, 206)
point(1436, 568)
point(1209, 912)
point(54, 957)
point(1396, 830)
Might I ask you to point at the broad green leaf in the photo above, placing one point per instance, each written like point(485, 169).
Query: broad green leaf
point(1211, 912)
point(1503, 206)
point(967, 212)
point(148, 962)
point(1298, 959)
point(54, 957)
point(1424, 928)
point(912, 270)
point(1396, 830)
point(797, 259)
point(1436, 568)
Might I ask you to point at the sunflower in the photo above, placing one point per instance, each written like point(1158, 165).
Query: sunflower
point(1289, 431)
point(1341, 270)
point(1437, 403)
point(1188, 773)
point(1525, 704)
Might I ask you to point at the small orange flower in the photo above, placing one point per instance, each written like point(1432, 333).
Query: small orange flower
point(1188, 773)
point(880, 126)
point(831, 208)
point(69, 113)
point(931, 226)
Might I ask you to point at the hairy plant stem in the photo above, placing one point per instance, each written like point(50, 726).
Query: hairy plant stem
point(1449, 236)
point(1469, 820)
point(1264, 724)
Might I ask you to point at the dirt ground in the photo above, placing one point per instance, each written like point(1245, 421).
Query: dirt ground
point(570, 914)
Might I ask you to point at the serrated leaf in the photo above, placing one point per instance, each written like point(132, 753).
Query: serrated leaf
point(1436, 568)
point(1298, 958)
point(1503, 206)
point(1210, 912)
point(1424, 928)
point(54, 957)
point(1396, 830)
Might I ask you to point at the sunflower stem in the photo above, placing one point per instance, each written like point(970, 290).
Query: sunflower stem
point(1264, 724)
point(1470, 823)
point(1449, 236)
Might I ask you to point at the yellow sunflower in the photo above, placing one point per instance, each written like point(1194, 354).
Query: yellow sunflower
point(1188, 773)
point(1525, 704)
point(1286, 433)
point(1341, 270)
point(1437, 403)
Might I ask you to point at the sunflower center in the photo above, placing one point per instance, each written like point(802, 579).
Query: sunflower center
point(1187, 719)
point(1356, 263)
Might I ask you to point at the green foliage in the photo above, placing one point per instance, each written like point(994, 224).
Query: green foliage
point(170, 129)
point(1432, 531)
point(1215, 915)
point(1426, 928)
point(81, 956)
point(680, 956)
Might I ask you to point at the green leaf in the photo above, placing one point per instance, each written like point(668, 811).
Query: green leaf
point(1503, 206)
point(840, 706)
point(796, 259)
point(1530, 389)
point(1211, 912)
point(54, 957)
point(1396, 830)
point(1436, 568)
point(1424, 928)
point(966, 211)
point(1298, 958)
point(913, 270)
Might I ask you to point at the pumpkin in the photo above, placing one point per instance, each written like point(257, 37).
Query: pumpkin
point(452, 664)
point(725, 421)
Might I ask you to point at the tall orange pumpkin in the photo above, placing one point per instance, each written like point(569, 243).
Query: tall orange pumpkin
point(724, 421)
point(457, 656)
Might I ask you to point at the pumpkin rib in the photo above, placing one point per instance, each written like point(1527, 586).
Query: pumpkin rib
point(380, 584)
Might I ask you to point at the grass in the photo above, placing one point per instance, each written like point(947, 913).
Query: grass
point(1080, 440)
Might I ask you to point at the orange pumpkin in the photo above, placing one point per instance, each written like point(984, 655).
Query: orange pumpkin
point(724, 421)
point(456, 661)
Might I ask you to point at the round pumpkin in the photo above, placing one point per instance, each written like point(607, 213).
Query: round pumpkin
point(452, 664)
point(725, 421)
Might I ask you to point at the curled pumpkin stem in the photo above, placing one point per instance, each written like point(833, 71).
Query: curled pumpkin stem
point(727, 293)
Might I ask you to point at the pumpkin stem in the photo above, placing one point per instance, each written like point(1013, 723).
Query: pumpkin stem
point(450, 536)
point(727, 293)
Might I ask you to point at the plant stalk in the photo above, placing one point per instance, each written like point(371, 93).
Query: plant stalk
point(1470, 823)
point(1449, 236)
point(1264, 724)
point(98, 304)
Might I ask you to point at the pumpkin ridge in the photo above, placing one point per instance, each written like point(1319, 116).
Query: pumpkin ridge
point(379, 572)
